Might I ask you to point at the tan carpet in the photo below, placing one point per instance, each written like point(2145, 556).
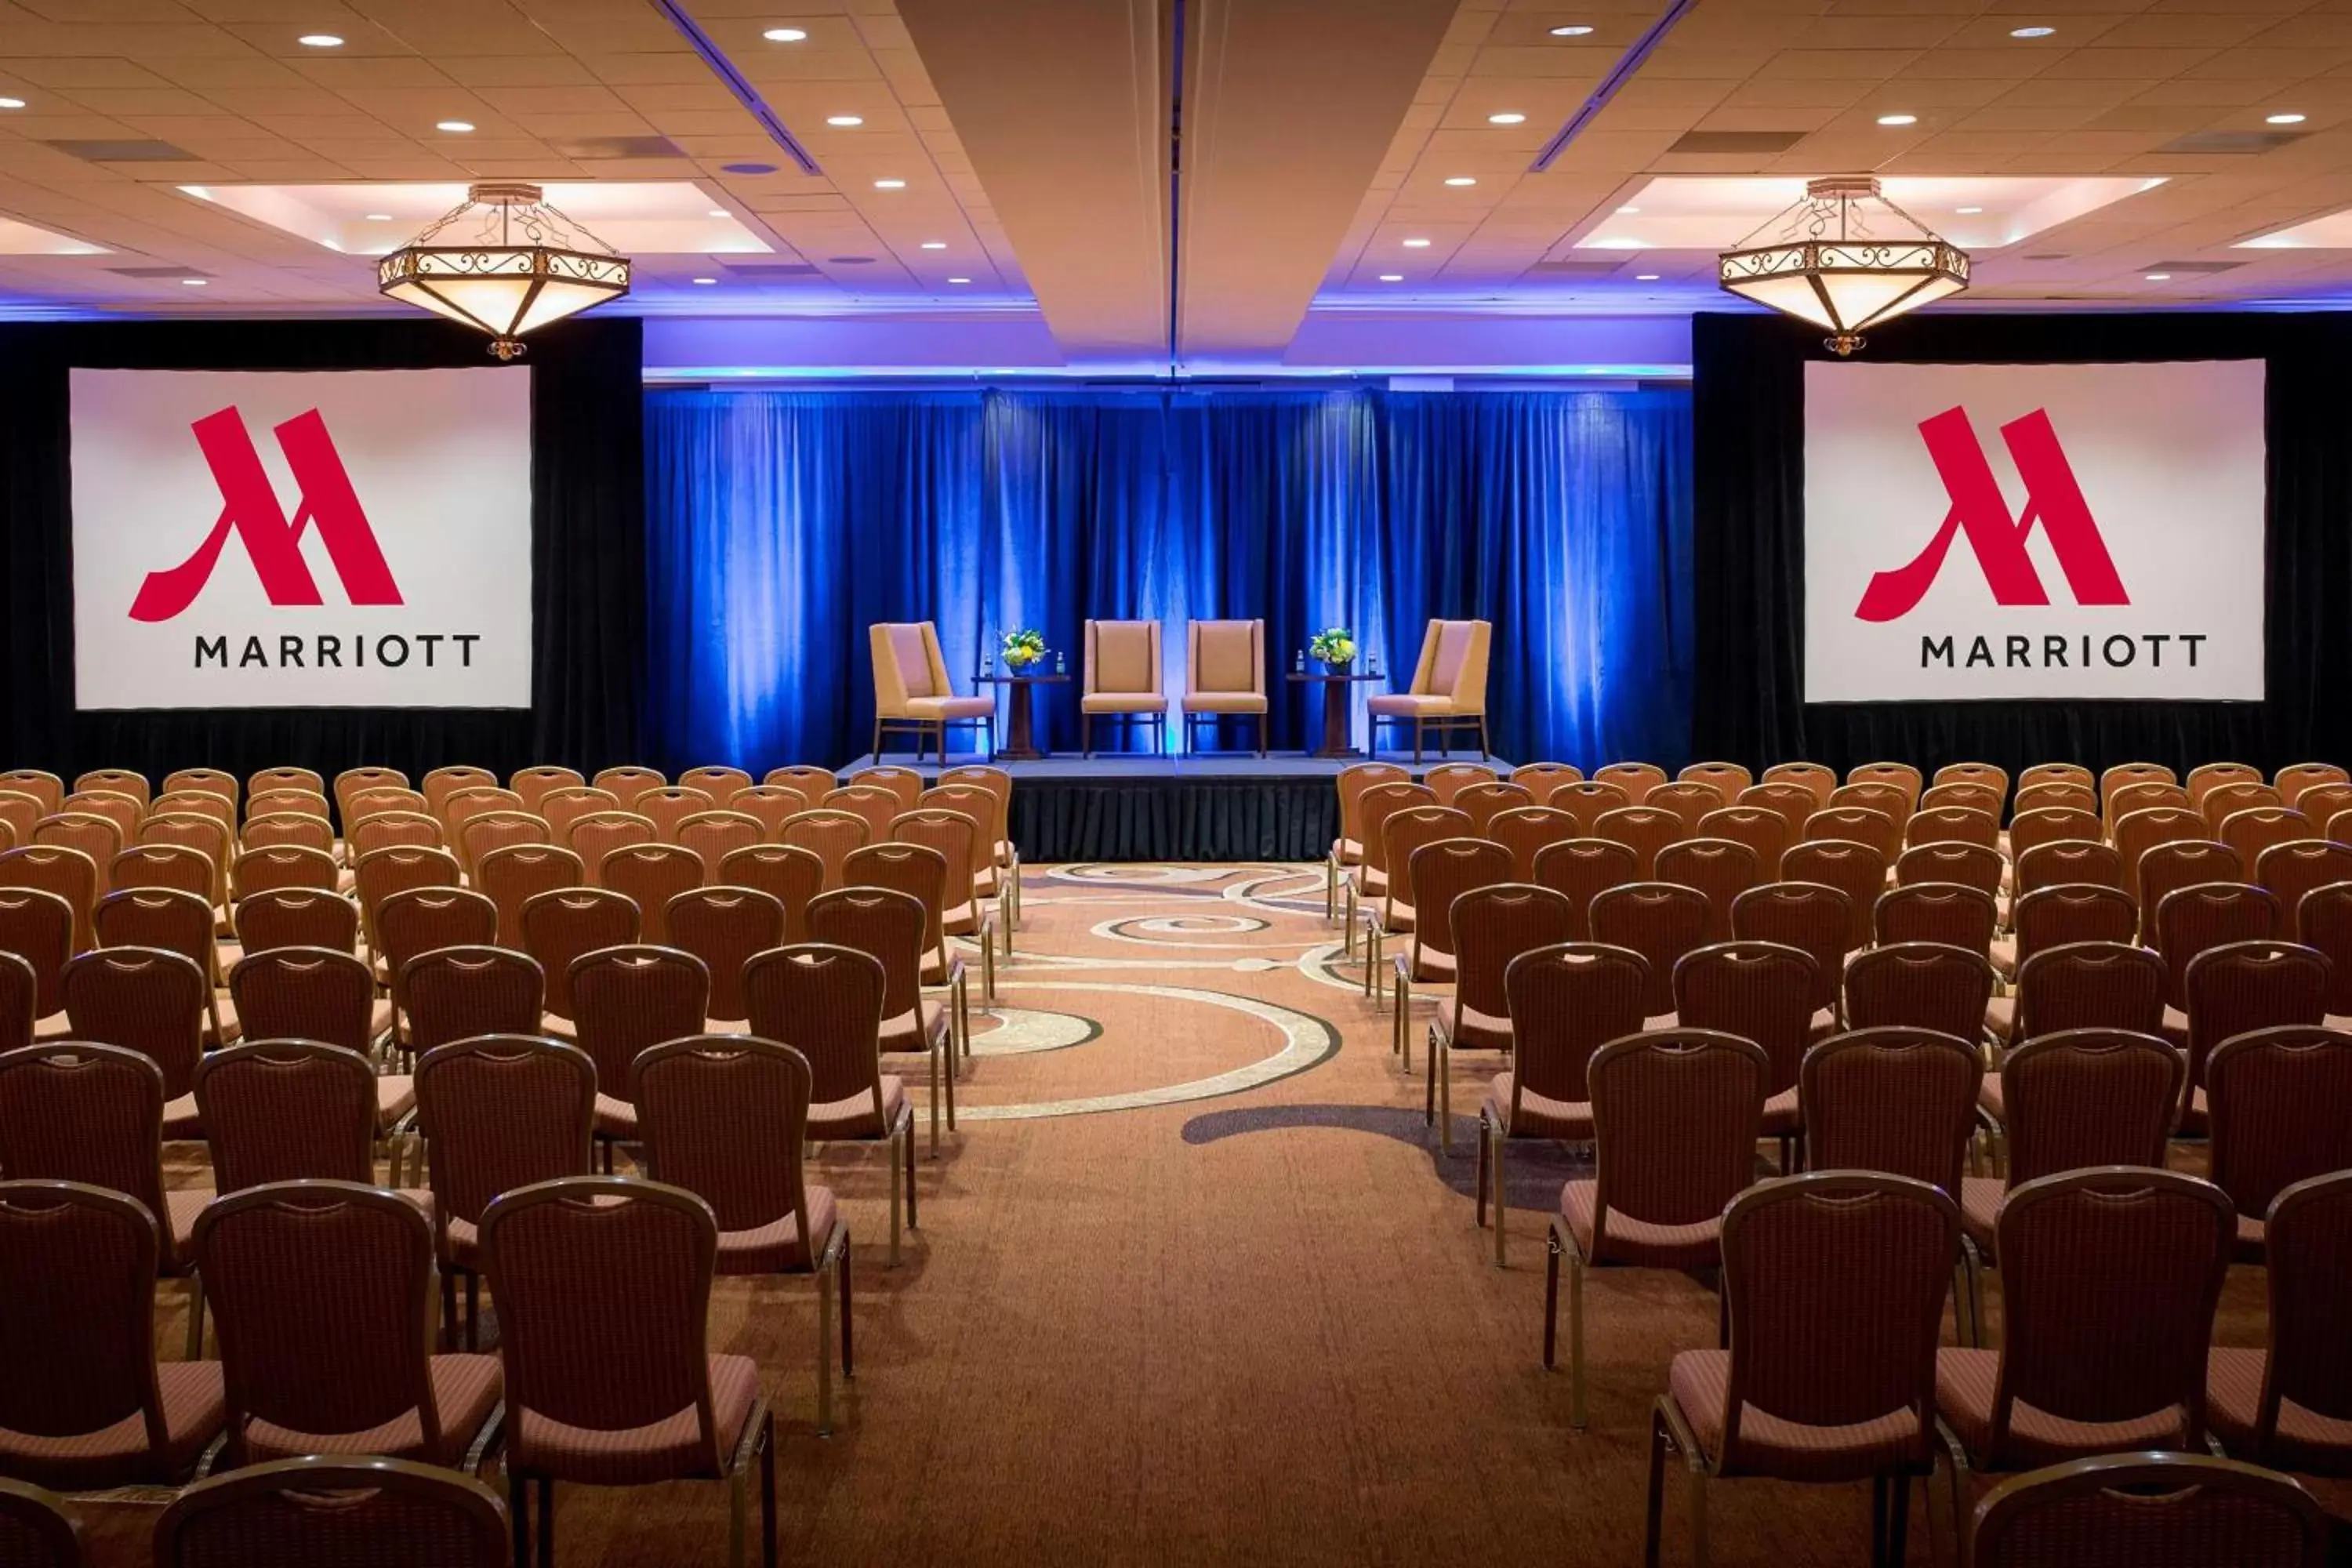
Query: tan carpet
point(1259, 1326)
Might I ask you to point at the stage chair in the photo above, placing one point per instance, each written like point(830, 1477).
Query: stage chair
point(323, 1511)
point(2148, 1510)
point(1123, 681)
point(1225, 675)
point(2264, 1405)
point(1449, 687)
point(912, 694)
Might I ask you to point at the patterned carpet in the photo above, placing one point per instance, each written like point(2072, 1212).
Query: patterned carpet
point(1194, 1285)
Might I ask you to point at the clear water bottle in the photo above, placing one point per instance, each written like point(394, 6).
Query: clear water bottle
point(987, 660)
point(1298, 662)
point(1058, 668)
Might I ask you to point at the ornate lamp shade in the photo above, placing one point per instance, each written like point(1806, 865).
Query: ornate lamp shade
point(1828, 268)
point(522, 265)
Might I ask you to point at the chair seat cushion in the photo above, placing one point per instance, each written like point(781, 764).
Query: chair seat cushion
point(2004, 956)
point(1346, 852)
point(56, 1026)
point(1980, 1199)
point(923, 1028)
point(933, 707)
point(1700, 1383)
point(1468, 1029)
point(1122, 702)
point(231, 1031)
point(637, 1456)
point(778, 1247)
point(1964, 1395)
point(1990, 1101)
point(615, 1118)
point(1645, 1244)
point(193, 1409)
point(2000, 1017)
point(465, 1249)
point(380, 1018)
point(180, 1119)
point(1782, 1116)
point(2251, 1240)
point(1539, 1117)
point(1224, 703)
point(465, 1389)
point(854, 1117)
point(1431, 967)
point(1409, 705)
point(2304, 1440)
point(395, 1097)
point(557, 1028)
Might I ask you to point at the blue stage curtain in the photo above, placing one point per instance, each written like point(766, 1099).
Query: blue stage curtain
point(780, 524)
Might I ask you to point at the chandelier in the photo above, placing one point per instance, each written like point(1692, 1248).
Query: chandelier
point(1828, 268)
point(504, 262)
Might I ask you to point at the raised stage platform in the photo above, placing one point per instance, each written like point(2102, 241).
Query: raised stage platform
point(1132, 806)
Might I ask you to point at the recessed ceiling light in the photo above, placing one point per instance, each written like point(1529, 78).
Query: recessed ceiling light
point(844, 120)
point(1416, 245)
point(194, 282)
point(12, 103)
point(1573, 31)
point(721, 212)
point(1391, 277)
point(1460, 180)
point(2283, 120)
point(785, 35)
point(1898, 119)
point(2031, 32)
point(1629, 210)
point(1508, 117)
point(379, 217)
point(1968, 211)
point(958, 280)
point(749, 168)
point(319, 41)
point(935, 245)
point(457, 127)
point(706, 280)
point(889, 184)
point(2160, 277)
point(199, 192)
point(1645, 277)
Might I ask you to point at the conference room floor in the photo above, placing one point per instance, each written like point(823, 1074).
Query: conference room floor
point(1194, 1286)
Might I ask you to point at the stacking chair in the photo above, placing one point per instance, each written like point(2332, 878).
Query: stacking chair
point(287, 1110)
point(263, 779)
point(912, 694)
point(628, 781)
point(2077, 986)
point(767, 805)
point(1890, 799)
point(652, 874)
point(18, 813)
point(985, 795)
point(725, 928)
point(1759, 991)
point(2054, 916)
point(262, 868)
point(512, 876)
point(1540, 779)
point(421, 920)
point(563, 807)
point(84, 1404)
point(624, 1001)
point(498, 1112)
point(2191, 920)
point(439, 783)
point(461, 806)
point(725, 1116)
point(602, 833)
point(831, 836)
point(1486, 802)
point(2035, 825)
point(715, 834)
point(1900, 776)
point(2286, 1406)
point(1636, 779)
point(2207, 777)
point(963, 845)
point(2224, 799)
point(1919, 985)
point(1855, 869)
point(1348, 849)
point(718, 781)
point(2148, 1510)
point(37, 930)
point(96, 838)
point(1566, 1000)
point(667, 808)
point(182, 924)
point(2292, 781)
point(322, 1298)
point(814, 782)
point(2074, 773)
point(1728, 778)
point(1586, 800)
point(2276, 1100)
point(2149, 796)
point(1719, 869)
point(68, 874)
point(283, 827)
point(1687, 799)
point(2123, 775)
point(46, 788)
point(1898, 1100)
point(2109, 1278)
point(2241, 986)
point(1527, 831)
point(1813, 919)
point(602, 1285)
point(903, 782)
point(1791, 803)
point(1402, 833)
point(1448, 780)
point(19, 991)
point(325, 1511)
point(353, 783)
point(1443, 871)
point(2323, 921)
point(790, 875)
point(1974, 865)
point(1124, 681)
point(1857, 825)
point(147, 1000)
point(367, 804)
point(387, 829)
point(2325, 806)
point(2258, 828)
point(311, 994)
point(1580, 870)
point(1764, 831)
point(125, 811)
point(1946, 912)
point(922, 872)
point(1963, 796)
point(487, 832)
point(459, 993)
point(1449, 686)
point(2142, 831)
point(1660, 920)
point(1675, 1113)
point(887, 925)
point(2184, 863)
point(2291, 870)
point(1488, 928)
point(1644, 829)
point(1834, 1285)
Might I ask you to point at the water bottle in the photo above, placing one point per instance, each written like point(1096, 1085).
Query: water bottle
point(1057, 662)
point(987, 661)
point(1298, 662)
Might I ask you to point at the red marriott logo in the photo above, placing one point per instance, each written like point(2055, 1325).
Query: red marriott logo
point(2052, 499)
point(249, 509)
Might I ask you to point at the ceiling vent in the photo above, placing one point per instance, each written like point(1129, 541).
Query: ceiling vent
point(592, 147)
point(158, 272)
point(1575, 269)
point(774, 269)
point(1736, 142)
point(108, 151)
point(2177, 268)
point(2239, 143)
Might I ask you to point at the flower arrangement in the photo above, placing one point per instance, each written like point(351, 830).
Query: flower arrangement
point(1334, 646)
point(1021, 650)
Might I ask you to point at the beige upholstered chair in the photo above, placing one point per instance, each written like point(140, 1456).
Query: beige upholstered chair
point(1123, 681)
point(1224, 673)
point(911, 689)
point(1449, 686)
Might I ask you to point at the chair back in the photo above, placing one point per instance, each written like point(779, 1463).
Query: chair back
point(1811, 917)
point(791, 876)
point(601, 833)
point(1540, 779)
point(426, 920)
point(1898, 1100)
point(321, 1294)
point(2036, 825)
point(126, 811)
point(2079, 863)
point(143, 999)
point(2081, 1097)
point(2109, 1278)
point(68, 874)
point(1490, 927)
point(1441, 873)
point(603, 1291)
point(305, 993)
point(2185, 863)
point(176, 922)
point(1856, 870)
point(2222, 800)
point(2089, 986)
point(1401, 834)
point(46, 788)
point(1919, 985)
point(1833, 1284)
point(1580, 870)
point(561, 926)
point(2275, 1104)
point(2123, 775)
point(2294, 780)
point(1719, 869)
point(1974, 865)
point(2071, 773)
point(1586, 800)
point(831, 836)
point(1660, 920)
point(2149, 796)
point(513, 876)
point(295, 917)
point(652, 874)
point(287, 1110)
point(1527, 831)
point(2257, 829)
point(163, 865)
point(1636, 779)
point(960, 841)
point(38, 928)
point(824, 1001)
point(19, 987)
point(813, 781)
point(367, 804)
point(986, 809)
point(1982, 799)
point(2069, 912)
point(1484, 802)
point(1760, 991)
point(725, 926)
point(627, 999)
point(439, 783)
point(1981, 775)
point(210, 781)
point(1765, 833)
point(2307, 1247)
point(2242, 987)
point(94, 837)
point(1858, 824)
point(461, 806)
point(1727, 778)
point(353, 783)
point(18, 813)
point(874, 807)
point(487, 832)
point(1688, 799)
point(718, 781)
point(1566, 1000)
point(883, 922)
point(2136, 835)
point(114, 781)
point(1815, 779)
point(628, 781)
point(714, 834)
point(281, 828)
point(261, 867)
point(903, 782)
point(769, 805)
point(1675, 1113)
point(2148, 1510)
point(1891, 799)
point(1644, 829)
point(75, 1111)
point(1791, 803)
point(1944, 912)
point(1901, 777)
point(726, 1118)
point(1453, 664)
point(458, 992)
point(263, 779)
point(2209, 914)
point(2323, 921)
point(386, 829)
point(325, 1510)
point(2207, 777)
point(2324, 805)
point(498, 1112)
point(2291, 870)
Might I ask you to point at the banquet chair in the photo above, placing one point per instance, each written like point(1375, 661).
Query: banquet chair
point(597, 834)
point(887, 925)
point(1348, 849)
point(1675, 1113)
point(512, 876)
point(311, 994)
point(827, 1002)
point(922, 872)
point(666, 808)
point(961, 843)
point(913, 695)
point(18, 813)
point(390, 830)
point(2293, 869)
point(1124, 681)
point(1901, 1101)
point(2222, 800)
point(2323, 921)
point(487, 832)
point(1584, 801)
point(313, 1364)
point(37, 930)
point(769, 805)
point(2149, 796)
point(1527, 831)
point(534, 784)
point(2054, 797)
point(461, 806)
point(1764, 831)
point(2286, 1404)
point(287, 917)
point(815, 783)
point(1636, 779)
point(498, 1112)
point(281, 866)
point(1490, 927)
point(1791, 803)
point(997, 784)
point(418, 920)
point(2275, 1102)
point(1644, 829)
point(287, 1110)
point(1834, 1285)
point(1402, 833)
point(1660, 920)
point(1224, 676)
point(1843, 823)
point(1815, 778)
point(903, 782)
point(2207, 777)
point(93, 838)
point(563, 924)
point(84, 1404)
point(1813, 918)
point(328, 1511)
point(831, 836)
point(725, 1116)
point(458, 993)
point(1952, 825)
point(1901, 776)
point(717, 781)
point(2257, 829)
point(19, 992)
point(368, 803)
point(1441, 872)
point(288, 827)
point(1720, 868)
point(2148, 1510)
point(1947, 912)
point(2292, 780)
point(627, 781)
point(1486, 802)
point(1688, 800)
point(147, 1000)
point(2123, 775)
point(1888, 798)
point(1580, 870)
point(652, 874)
point(715, 834)
point(1728, 778)
point(1563, 1001)
point(602, 1285)
point(1540, 779)
point(2191, 920)
point(2324, 805)
point(2070, 863)
point(45, 787)
point(353, 783)
point(1856, 870)
point(2136, 835)
point(787, 873)
point(2074, 773)
point(1446, 781)
point(626, 1000)
point(126, 811)
point(439, 783)
point(182, 923)
point(1919, 985)
point(2185, 863)
point(874, 807)
point(1449, 687)
point(1987, 799)
point(261, 781)
point(2087, 984)
point(2052, 916)
point(725, 928)
point(114, 781)
point(75, 1111)
point(2033, 826)
point(1759, 991)
point(2237, 987)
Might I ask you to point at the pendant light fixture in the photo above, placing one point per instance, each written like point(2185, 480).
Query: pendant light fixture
point(1832, 264)
point(504, 262)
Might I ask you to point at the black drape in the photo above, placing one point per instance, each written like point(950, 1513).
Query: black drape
point(587, 555)
point(1748, 436)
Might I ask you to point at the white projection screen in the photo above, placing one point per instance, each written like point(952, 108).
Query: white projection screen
point(2069, 531)
point(301, 539)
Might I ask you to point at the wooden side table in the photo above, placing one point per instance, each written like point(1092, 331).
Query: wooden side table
point(1336, 706)
point(1020, 726)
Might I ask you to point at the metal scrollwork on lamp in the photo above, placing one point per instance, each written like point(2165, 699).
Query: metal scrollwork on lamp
point(1829, 268)
point(523, 264)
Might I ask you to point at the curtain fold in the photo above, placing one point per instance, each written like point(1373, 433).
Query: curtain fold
point(780, 524)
